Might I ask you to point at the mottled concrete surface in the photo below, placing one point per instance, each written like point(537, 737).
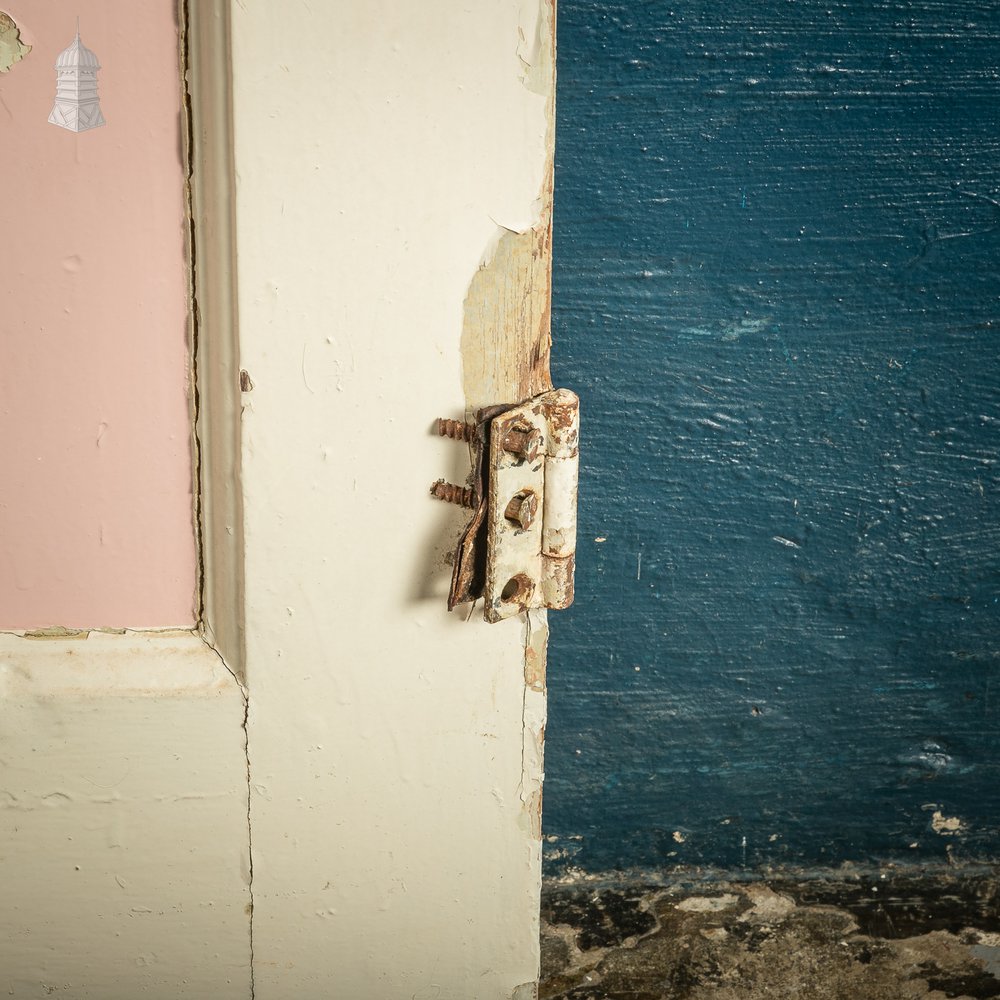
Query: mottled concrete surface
point(874, 936)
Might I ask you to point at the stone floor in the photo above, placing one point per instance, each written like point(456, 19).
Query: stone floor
point(879, 936)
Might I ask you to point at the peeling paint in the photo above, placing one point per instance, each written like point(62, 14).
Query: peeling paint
point(12, 49)
point(535, 651)
point(708, 904)
point(57, 632)
point(536, 48)
point(505, 335)
point(505, 356)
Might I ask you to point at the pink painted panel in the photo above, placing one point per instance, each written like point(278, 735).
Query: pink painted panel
point(96, 524)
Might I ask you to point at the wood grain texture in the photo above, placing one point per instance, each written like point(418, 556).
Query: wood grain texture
point(506, 334)
point(776, 291)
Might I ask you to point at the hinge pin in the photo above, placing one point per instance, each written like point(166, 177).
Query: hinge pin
point(457, 430)
point(450, 493)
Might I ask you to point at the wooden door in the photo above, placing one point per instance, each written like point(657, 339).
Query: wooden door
point(331, 786)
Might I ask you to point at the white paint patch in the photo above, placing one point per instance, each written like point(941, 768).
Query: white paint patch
point(947, 826)
point(768, 906)
point(708, 904)
point(987, 950)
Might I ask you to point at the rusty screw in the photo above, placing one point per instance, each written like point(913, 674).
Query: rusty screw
point(523, 441)
point(450, 493)
point(457, 430)
point(522, 509)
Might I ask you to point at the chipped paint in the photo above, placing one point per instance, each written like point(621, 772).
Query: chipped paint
point(505, 338)
point(57, 632)
point(12, 49)
point(947, 826)
point(708, 904)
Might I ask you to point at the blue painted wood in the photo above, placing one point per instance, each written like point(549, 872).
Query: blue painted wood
point(777, 292)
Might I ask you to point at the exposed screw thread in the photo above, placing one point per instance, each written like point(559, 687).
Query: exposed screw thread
point(450, 493)
point(457, 430)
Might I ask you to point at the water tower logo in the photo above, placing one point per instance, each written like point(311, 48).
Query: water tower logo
point(77, 106)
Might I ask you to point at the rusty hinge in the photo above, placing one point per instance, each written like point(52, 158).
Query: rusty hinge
point(519, 549)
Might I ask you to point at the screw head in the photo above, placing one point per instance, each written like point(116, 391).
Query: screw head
point(518, 590)
point(524, 441)
point(522, 509)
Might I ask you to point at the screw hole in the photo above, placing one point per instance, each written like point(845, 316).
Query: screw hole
point(517, 590)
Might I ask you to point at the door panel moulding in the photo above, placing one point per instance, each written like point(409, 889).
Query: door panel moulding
point(218, 381)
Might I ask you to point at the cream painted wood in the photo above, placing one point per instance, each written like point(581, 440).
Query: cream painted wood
point(123, 819)
point(381, 150)
point(383, 153)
